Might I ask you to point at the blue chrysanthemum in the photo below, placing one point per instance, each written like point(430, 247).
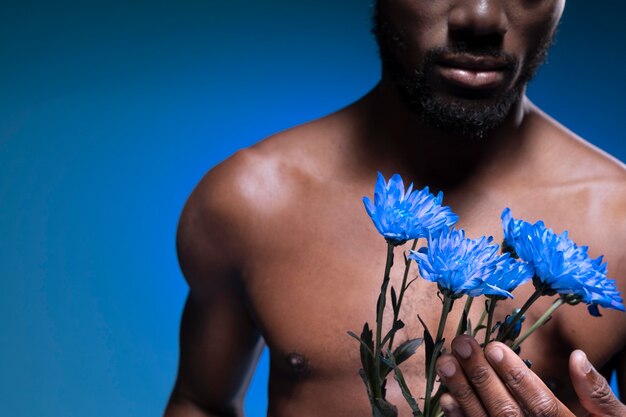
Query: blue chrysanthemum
point(517, 326)
point(458, 265)
point(401, 216)
point(508, 275)
point(512, 230)
point(560, 265)
point(602, 291)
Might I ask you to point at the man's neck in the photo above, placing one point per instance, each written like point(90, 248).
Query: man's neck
point(399, 141)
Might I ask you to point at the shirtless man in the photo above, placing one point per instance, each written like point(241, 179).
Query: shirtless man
point(278, 250)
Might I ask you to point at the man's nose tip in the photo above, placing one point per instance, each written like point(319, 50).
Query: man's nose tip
point(479, 17)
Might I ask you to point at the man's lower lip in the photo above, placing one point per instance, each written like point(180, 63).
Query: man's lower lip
point(472, 78)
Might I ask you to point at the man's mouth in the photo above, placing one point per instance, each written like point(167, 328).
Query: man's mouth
point(473, 73)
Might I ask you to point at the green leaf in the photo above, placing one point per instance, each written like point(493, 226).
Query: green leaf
point(367, 355)
point(367, 386)
point(387, 359)
point(367, 336)
point(438, 346)
point(404, 388)
point(463, 322)
point(406, 350)
point(479, 328)
point(440, 391)
point(428, 339)
point(380, 304)
point(384, 408)
point(394, 299)
point(429, 344)
point(384, 368)
point(363, 345)
point(496, 326)
point(437, 349)
point(399, 324)
point(382, 298)
point(469, 327)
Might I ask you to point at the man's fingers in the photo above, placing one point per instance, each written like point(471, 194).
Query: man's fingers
point(473, 384)
point(593, 390)
point(529, 390)
point(451, 374)
point(496, 399)
point(450, 407)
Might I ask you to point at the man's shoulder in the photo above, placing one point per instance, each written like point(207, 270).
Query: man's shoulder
point(572, 159)
point(224, 209)
point(277, 169)
point(241, 187)
point(584, 187)
point(578, 179)
point(260, 183)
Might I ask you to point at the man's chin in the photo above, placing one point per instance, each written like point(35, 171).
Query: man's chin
point(464, 116)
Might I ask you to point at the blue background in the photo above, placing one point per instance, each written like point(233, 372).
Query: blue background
point(111, 111)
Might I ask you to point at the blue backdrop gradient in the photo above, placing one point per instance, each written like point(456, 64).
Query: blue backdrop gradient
point(111, 111)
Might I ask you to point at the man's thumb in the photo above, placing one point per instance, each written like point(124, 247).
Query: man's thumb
point(593, 390)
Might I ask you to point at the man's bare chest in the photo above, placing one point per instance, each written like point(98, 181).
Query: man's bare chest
point(320, 277)
point(305, 305)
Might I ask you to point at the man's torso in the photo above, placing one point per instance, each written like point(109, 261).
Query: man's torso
point(316, 261)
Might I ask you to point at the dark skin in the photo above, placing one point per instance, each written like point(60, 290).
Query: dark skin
point(277, 248)
point(497, 382)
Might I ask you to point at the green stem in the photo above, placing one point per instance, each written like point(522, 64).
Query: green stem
point(396, 312)
point(490, 313)
point(380, 309)
point(430, 377)
point(557, 303)
point(480, 322)
point(506, 329)
point(435, 400)
point(465, 314)
point(447, 306)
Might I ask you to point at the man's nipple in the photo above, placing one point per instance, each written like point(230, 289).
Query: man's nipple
point(298, 363)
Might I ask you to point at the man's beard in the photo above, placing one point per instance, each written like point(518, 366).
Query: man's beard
point(467, 116)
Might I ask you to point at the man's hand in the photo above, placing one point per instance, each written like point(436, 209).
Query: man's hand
point(498, 383)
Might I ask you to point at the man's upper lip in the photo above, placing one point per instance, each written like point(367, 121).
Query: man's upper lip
point(472, 62)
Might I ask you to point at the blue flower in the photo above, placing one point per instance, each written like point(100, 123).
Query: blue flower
point(560, 265)
point(401, 216)
point(517, 328)
point(602, 291)
point(512, 230)
point(604, 295)
point(508, 275)
point(457, 264)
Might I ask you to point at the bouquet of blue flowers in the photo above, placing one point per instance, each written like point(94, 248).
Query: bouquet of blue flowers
point(465, 267)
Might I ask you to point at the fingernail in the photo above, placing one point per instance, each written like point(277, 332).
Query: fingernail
point(448, 408)
point(462, 348)
point(583, 362)
point(447, 369)
point(495, 354)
